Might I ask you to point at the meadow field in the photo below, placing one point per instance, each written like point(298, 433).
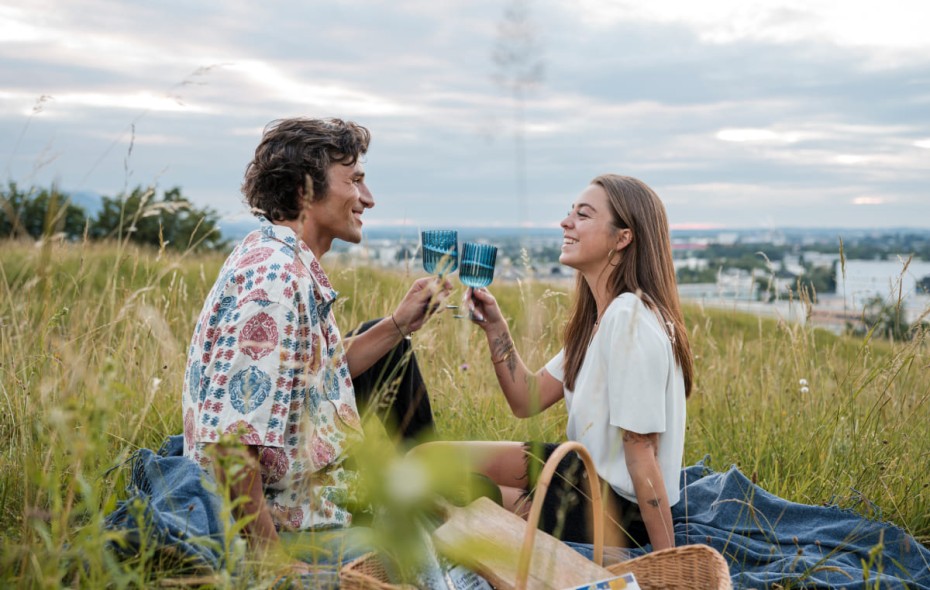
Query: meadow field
point(93, 340)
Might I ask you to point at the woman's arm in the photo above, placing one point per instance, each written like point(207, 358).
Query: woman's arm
point(527, 393)
point(641, 451)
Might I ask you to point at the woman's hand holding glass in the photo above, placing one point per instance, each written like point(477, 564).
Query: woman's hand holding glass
point(477, 270)
point(484, 309)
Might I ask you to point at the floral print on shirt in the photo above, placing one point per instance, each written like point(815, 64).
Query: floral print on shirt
point(267, 364)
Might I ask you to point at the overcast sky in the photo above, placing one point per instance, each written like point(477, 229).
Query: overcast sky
point(740, 113)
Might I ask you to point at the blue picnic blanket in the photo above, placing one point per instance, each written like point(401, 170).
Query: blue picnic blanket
point(767, 541)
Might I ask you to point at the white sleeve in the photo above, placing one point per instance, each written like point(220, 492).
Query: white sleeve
point(556, 366)
point(637, 372)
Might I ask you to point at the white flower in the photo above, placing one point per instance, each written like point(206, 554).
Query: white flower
point(407, 481)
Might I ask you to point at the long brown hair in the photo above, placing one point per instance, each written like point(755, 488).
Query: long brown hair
point(645, 268)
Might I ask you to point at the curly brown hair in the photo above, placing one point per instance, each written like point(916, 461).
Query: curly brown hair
point(292, 161)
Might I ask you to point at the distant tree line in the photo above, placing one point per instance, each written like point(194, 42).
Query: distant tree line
point(143, 216)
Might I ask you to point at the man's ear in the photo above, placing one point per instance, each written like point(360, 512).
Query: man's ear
point(305, 192)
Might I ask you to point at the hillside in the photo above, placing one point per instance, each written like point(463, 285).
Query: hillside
point(93, 341)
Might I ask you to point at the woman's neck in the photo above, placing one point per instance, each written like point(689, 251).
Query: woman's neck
point(600, 292)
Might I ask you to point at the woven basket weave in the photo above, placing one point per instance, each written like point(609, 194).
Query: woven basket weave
point(685, 567)
point(679, 568)
point(368, 573)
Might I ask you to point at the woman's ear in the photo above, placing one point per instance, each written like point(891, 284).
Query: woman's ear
point(624, 238)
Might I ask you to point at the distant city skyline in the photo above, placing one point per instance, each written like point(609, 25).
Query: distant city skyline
point(740, 113)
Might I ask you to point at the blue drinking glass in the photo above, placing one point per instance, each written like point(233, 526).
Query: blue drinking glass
point(477, 266)
point(440, 251)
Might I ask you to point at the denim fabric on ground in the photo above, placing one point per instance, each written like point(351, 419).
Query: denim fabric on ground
point(769, 542)
point(172, 507)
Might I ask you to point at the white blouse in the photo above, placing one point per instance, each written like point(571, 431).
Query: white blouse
point(629, 380)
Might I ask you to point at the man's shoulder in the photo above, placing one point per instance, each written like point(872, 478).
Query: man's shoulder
point(260, 271)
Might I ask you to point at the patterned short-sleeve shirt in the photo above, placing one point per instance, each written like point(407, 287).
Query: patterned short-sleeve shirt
point(267, 363)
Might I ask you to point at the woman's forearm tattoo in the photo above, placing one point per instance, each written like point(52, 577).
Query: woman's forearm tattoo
point(647, 440)
point(503, 347)
point(640, 439)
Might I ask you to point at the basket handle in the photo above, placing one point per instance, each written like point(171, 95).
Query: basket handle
point(532, 521)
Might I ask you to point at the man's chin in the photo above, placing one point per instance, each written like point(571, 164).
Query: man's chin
point(352, 237)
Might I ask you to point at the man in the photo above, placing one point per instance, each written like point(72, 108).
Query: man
point(267, 365)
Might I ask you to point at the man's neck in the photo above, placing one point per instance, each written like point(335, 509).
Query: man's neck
point(303, 228)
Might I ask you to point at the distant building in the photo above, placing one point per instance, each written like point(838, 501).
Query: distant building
point(727, 238)
point(792, 265)
point(691, 263)
point(732, 284)
point(866, 279)
point(820, 259)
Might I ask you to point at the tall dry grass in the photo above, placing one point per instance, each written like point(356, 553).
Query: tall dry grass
point(93, 340)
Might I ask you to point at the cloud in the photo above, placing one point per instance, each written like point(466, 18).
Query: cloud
point(758, 135)
point(319, 95)
point(897, 24)
point(737, 112)
point(137, 101)
point(870, 200)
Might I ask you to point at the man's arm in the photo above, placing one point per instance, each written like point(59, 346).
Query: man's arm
point(424, 298)
point(365, 349)
point(641, 451)
point(248, 496)
point(246, 483)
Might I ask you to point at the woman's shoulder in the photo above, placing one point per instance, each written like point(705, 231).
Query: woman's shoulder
point(625, 304)
point(629, 309)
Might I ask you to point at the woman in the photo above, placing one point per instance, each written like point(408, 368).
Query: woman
point(624, 372)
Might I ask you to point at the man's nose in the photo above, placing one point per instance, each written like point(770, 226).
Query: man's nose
point(368, 200)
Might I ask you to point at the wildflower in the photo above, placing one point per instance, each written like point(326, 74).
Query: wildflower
point(407, 481)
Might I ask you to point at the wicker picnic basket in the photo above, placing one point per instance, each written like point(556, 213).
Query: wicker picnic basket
point(685, 567)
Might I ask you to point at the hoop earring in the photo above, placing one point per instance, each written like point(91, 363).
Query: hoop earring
point(610, 257)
